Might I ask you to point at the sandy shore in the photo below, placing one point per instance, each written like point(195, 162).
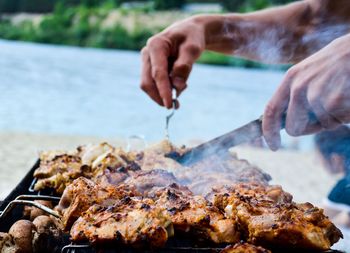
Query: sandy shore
point(299, 173)
point(19, 151)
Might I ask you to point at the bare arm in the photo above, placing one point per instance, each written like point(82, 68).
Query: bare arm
point(314, 33)
point(277, 35)
point(284, 34)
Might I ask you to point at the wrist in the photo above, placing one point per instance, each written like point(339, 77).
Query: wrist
point(220, 31)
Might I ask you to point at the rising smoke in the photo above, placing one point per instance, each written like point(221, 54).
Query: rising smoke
point(275, 44)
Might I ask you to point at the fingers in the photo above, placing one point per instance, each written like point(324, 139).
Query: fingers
point(147, 83)
point(325, 119)
point(274, 111)
point(313, 127)
point(167, 63)
point(188, 54)
point(337, 104)
point(299, 110)
point(159, 52)
point(301, 118)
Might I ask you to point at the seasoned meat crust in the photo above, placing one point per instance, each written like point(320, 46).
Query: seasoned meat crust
point(57, 172)
point(244, 248)
point(57, 169)
point(83, 193)
point(201, 177)
point(131, 221)
point(268, 216)
point(108, 165)
point(196, 215)
point(145, 181)
point(135, 198)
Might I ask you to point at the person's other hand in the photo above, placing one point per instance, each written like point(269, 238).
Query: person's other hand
point(320, 86)
point(168, 57)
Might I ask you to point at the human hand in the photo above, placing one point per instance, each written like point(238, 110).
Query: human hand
point(168, 57)
point(320, 86)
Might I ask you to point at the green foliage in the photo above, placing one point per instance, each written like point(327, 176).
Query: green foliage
point(209, 57)
point(82, 26)
point(35, 6)
point(168, 4)
point(255, 5)
point(250, 5)
point(232, 5)
point(44, 6)
point(8, 6)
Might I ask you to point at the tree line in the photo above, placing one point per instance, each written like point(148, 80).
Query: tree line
point(45, 6)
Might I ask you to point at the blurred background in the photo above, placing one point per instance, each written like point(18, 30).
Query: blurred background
point(70, 72)
point(80, 90)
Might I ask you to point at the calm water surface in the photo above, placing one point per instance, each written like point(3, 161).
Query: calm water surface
point(70, 90)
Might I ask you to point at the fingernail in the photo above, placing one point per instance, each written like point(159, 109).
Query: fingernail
point(276, 145)
point(178, 82)
point(165, 103)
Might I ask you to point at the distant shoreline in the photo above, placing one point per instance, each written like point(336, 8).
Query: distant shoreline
point(103, 28)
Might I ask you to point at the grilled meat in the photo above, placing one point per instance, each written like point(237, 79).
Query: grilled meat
point(154, 157)
point(105, 164)
point(83, 193)
point(57, 172)
point(57, 169)
point(133, 198)
point(211, 172)
point(217, 171)
point(196, 215)
point(244, 248)
point(145, 181)
point(268, 216)
point(130, 221)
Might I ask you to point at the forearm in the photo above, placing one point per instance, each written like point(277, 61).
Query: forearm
point(278, 35)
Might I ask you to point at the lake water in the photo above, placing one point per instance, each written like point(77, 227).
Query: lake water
point(70, 90)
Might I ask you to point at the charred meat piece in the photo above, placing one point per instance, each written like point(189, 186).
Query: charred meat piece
point(113, 176)
point(202, 176)
point(57, 172)
point(268, 216)
point(244, 248)
point(258, 194)
point(58, 169)
point(217, 171)
point(154, 157)
point(108, 165)
point(194, 214)
point(135, 222)
point(83, 193)
point(144, 181)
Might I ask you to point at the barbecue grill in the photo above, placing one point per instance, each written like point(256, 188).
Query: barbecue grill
point(11, 210)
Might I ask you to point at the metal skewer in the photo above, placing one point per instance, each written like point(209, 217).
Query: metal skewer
point(167, 119)
point(28, 200)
